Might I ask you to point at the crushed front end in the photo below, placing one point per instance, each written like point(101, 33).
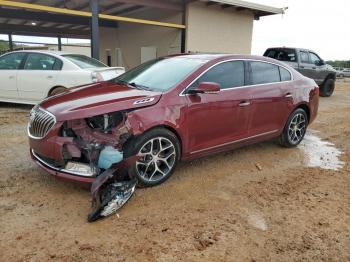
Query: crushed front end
point(78, 149)
point(86, 150)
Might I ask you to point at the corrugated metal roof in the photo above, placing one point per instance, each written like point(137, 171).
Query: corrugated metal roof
point(252, 6)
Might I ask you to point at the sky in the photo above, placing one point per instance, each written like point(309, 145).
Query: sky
point(320, 25)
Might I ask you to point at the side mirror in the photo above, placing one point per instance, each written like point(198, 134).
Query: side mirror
point(206, 88)
point(320, 63)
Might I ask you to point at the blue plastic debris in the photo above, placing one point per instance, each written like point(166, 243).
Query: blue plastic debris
point(109, 156)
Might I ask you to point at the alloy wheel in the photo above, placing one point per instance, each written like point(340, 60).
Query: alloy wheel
point(297, 128)
point(158, 159)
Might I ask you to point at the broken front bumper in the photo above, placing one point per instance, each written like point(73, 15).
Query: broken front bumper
point(60, 172)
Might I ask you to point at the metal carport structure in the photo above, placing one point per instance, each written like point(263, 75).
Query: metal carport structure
point(84, 18)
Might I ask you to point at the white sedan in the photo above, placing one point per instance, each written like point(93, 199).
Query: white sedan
point(27, 77)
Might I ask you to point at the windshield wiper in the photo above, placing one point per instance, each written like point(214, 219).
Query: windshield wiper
point(139, 86)
point(122, 82)
point(133, 84)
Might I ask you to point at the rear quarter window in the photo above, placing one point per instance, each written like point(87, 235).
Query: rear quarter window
point(263, 73)
point(285, 75)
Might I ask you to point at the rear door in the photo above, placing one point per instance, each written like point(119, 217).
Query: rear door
point(38, 76)
point(271, 99)
point(216, 120)
point(9, 67)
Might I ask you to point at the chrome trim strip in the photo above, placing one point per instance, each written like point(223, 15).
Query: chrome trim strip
point(54, 123)
point(239, 87)
point(236, 141)
point(58, 169)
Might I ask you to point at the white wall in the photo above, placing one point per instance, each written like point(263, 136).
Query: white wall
point(131, 37)
point(82, 50)
point(214, 29)
point(209, 29)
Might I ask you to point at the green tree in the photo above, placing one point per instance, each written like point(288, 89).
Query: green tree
point(3, 45)
point(340, 63)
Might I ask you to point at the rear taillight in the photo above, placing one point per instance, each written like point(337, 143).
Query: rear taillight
point(317, 90)
point(96, 77)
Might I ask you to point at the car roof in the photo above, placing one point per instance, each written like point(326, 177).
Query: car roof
point(215, 56)
point(286, 47)
point(50, 52)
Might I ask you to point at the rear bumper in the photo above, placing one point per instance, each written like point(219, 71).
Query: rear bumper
point(59, 172)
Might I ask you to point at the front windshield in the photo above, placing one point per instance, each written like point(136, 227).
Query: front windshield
point(160, 74)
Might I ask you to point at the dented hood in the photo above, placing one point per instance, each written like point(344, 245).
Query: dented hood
point(96, 99)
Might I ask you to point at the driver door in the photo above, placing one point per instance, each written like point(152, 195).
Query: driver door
point(216, 121)
point(320, 73)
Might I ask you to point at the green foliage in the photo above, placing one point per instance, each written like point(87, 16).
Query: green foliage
point(3, 45)
point(340, 63)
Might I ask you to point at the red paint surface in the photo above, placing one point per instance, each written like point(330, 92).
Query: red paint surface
point(204, 123)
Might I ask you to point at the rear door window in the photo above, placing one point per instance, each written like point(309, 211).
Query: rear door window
point(40, 62)
point(264, 73)
point(227, 75)
point(304, 57)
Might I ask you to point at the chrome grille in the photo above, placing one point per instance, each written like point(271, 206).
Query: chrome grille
point(40, 122)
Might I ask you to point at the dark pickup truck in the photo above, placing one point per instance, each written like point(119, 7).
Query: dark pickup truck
point(307, 63)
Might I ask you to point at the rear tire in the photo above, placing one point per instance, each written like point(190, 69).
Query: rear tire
point(161, 149)
point(295, 129)
point(327, 88)
point(57, 90)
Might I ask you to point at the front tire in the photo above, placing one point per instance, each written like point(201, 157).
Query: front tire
point(295, 129)
point(327, 88)
point(57, 90)
point(161, 153)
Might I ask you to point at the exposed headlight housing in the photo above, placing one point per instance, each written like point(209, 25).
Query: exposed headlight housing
point(105, 122)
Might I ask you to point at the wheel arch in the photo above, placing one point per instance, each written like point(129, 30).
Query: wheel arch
point(306, 108)
point(330, 76)
point(53, 88)
point(164, 126)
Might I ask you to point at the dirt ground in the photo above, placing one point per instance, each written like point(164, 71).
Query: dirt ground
point(258, 203)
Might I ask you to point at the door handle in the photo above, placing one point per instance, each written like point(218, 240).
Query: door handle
point(288, 95)
point(244, 103)
point(302, 66)
point(11, 77)
point(314, 67)
point(49, 77)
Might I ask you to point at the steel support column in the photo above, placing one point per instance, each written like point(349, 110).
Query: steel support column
point(10, 42)
point(95, 36)
point(183, 31)
point(59, 43)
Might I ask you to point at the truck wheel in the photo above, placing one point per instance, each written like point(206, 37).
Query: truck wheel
point(327, 88)
point(57, 90)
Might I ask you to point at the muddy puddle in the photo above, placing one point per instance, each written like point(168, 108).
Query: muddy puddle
point(320, 153)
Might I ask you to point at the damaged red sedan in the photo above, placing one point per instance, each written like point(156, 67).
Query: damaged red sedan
point(170, 109)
